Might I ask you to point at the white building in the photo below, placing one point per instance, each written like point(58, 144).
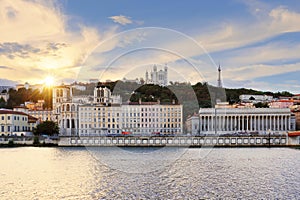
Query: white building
point(157, 77)
point(255, 98)
point(192, 124)
point(243, 120)
point(105, 114)
point(152, 117)
point(16, 123)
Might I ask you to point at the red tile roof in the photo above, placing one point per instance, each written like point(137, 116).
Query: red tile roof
point(31, 119)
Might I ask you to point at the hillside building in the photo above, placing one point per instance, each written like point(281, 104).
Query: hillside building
point(157, 77)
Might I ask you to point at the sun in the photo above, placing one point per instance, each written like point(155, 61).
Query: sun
point(49, 81)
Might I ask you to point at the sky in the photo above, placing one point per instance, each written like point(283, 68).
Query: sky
point(257, 43)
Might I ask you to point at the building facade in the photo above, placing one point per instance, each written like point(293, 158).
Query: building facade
point(244, 120)
point(157, 77)
point(281, 104)
point(16, 123)
point(104, 113)
point(255, 98)
point(40, 115)
point(297, 116)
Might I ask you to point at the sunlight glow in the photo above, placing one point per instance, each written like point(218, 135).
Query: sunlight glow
point(49, 81)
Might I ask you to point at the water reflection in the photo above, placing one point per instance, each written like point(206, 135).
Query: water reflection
point(73, 173)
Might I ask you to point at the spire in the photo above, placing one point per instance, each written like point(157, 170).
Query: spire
point(219, 77)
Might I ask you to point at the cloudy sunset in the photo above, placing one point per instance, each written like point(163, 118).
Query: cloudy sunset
point(131, 99)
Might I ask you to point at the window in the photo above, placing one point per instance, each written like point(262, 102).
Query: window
point(8, 117)
point(2, 118)
point(2, 128)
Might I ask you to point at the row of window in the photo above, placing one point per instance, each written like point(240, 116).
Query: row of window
point(131, 114)
point(15, 128)
point(99, 126)
point(126, 109)
point(15, 118)
point(131, 120)
point(130, 125)
point(98, 132)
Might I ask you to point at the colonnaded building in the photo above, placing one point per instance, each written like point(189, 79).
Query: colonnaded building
point(241, 120)
point(104, 113)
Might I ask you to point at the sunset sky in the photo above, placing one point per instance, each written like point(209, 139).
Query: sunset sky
point(257, 43)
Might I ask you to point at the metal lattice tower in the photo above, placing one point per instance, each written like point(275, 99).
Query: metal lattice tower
point(219, 77)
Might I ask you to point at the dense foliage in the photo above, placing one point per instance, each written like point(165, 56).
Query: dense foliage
point(46, 128)
point(22, 95)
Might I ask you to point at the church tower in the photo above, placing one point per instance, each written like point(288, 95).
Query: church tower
point(166, 76)
point(147, 77)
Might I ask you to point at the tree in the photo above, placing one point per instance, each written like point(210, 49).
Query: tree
point(261, 105)
point(2, 103)
point(47, 128)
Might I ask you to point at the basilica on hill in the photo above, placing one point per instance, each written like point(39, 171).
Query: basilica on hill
point(157, 77)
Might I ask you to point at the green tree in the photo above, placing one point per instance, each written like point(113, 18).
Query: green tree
point(2, 103)
point(47, 128)
point(261, 105)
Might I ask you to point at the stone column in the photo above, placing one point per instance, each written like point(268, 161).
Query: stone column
point(243, 123)
point(281, 122)
point(263, 123)
point(235, 123)
point(274, 123)
point(231, 121)
point(213, 123)
point(285, 123)
point(200, 123)
point(255, 124)
point(278, 120)
point(251, 122)
point(247, 123)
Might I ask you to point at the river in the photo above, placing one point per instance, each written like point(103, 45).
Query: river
point(80, 173)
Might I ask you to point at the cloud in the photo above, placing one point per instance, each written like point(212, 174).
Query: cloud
point(121, 19)
point(259, 70)
point(5, 67)
point(38, 40)
point(13, 49)
point(233, 34)
point(7, 82)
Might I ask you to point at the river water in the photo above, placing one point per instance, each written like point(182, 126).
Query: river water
point(219, 173)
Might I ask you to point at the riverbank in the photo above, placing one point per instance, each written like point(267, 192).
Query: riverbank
point(180, 141)
point(170, 141)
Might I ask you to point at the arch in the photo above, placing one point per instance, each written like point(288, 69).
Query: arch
point(73, 107)
point(68, 107)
